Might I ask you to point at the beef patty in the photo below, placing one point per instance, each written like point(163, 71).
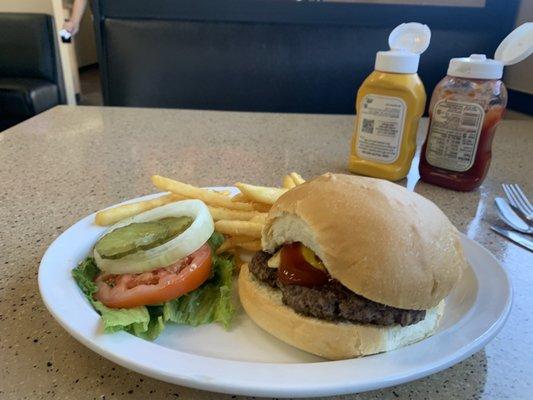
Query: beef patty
point(332, 301)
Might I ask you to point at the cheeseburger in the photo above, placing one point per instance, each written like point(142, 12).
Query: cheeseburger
point(351, 266)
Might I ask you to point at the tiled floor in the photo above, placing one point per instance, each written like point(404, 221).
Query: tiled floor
point(91, 94)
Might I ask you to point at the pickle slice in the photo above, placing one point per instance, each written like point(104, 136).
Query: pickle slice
point(131, 238)
point(176, 225)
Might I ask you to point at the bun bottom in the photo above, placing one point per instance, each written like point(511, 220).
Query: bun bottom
point(331, 340)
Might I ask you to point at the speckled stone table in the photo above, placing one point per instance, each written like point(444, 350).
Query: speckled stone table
point(70, 161)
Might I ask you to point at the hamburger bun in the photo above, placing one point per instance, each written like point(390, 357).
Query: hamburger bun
point(331, 340)
point(378, 239)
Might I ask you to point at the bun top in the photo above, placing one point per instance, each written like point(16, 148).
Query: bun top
point(381, 241)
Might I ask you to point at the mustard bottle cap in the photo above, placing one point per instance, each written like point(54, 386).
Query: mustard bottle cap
point(407, 41)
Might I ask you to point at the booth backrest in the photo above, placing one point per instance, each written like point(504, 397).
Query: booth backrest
point(28, 47)
point(282, 56)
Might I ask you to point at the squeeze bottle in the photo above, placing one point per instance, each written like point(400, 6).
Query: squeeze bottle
point(389, 105)
point(465, 109)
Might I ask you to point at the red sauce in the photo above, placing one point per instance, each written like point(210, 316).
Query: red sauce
point(473, 177)
point(294, 270)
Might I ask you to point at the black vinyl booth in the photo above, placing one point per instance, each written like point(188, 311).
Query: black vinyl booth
point(31, 80)
point(276, 55)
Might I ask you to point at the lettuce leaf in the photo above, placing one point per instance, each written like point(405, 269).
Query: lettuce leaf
point(135, 320)
point(84, 275)
point(211, 302)
point(153, 330)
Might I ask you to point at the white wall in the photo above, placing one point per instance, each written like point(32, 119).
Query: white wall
point(520, 76)
point(35, 6)
point(85, 41)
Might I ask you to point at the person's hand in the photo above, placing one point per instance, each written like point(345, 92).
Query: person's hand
point(71, 26)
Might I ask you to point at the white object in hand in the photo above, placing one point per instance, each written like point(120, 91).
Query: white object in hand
point(65, 34)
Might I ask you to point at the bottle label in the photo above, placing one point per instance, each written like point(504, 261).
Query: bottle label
point(454, 135)
point(380, 124)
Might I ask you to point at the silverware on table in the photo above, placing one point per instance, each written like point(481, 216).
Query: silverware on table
point(514, 237)
point(508, 215)
point(518, 199)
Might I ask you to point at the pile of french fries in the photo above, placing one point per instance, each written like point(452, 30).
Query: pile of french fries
point(240, 218)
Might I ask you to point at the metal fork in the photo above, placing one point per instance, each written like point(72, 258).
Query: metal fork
point(518, 199)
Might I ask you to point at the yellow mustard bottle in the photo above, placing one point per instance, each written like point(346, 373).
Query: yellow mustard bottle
point(389, 105)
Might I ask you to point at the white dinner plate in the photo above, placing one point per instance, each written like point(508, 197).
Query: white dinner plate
point(246, 360)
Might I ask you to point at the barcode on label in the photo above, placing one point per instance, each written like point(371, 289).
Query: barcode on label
point(368, 126)
point(470, 120)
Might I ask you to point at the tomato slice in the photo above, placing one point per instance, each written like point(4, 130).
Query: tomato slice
point(158, 286)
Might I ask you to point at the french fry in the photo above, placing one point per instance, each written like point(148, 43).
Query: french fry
point(238, 240)
point(115, 214)
point(262, 208)
point(225, 246)
point(238, 262)
point(288, 183)
point(260, 218)
point(244, 242)
point(239, 197)
point(260, 194)
point(252, 245)
point(177, 197)
point(239, 228)
point(231, 243)
point(297, 178)
point(207, 196)
point(226, 193)
point(219, 213)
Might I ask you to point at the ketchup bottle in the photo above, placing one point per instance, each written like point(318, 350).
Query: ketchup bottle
point(465, 109)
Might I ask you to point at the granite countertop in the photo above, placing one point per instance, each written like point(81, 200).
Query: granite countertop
point(71, 161)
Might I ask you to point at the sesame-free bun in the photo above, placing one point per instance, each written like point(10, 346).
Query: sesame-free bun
point(328, 339)
point(381, 241)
